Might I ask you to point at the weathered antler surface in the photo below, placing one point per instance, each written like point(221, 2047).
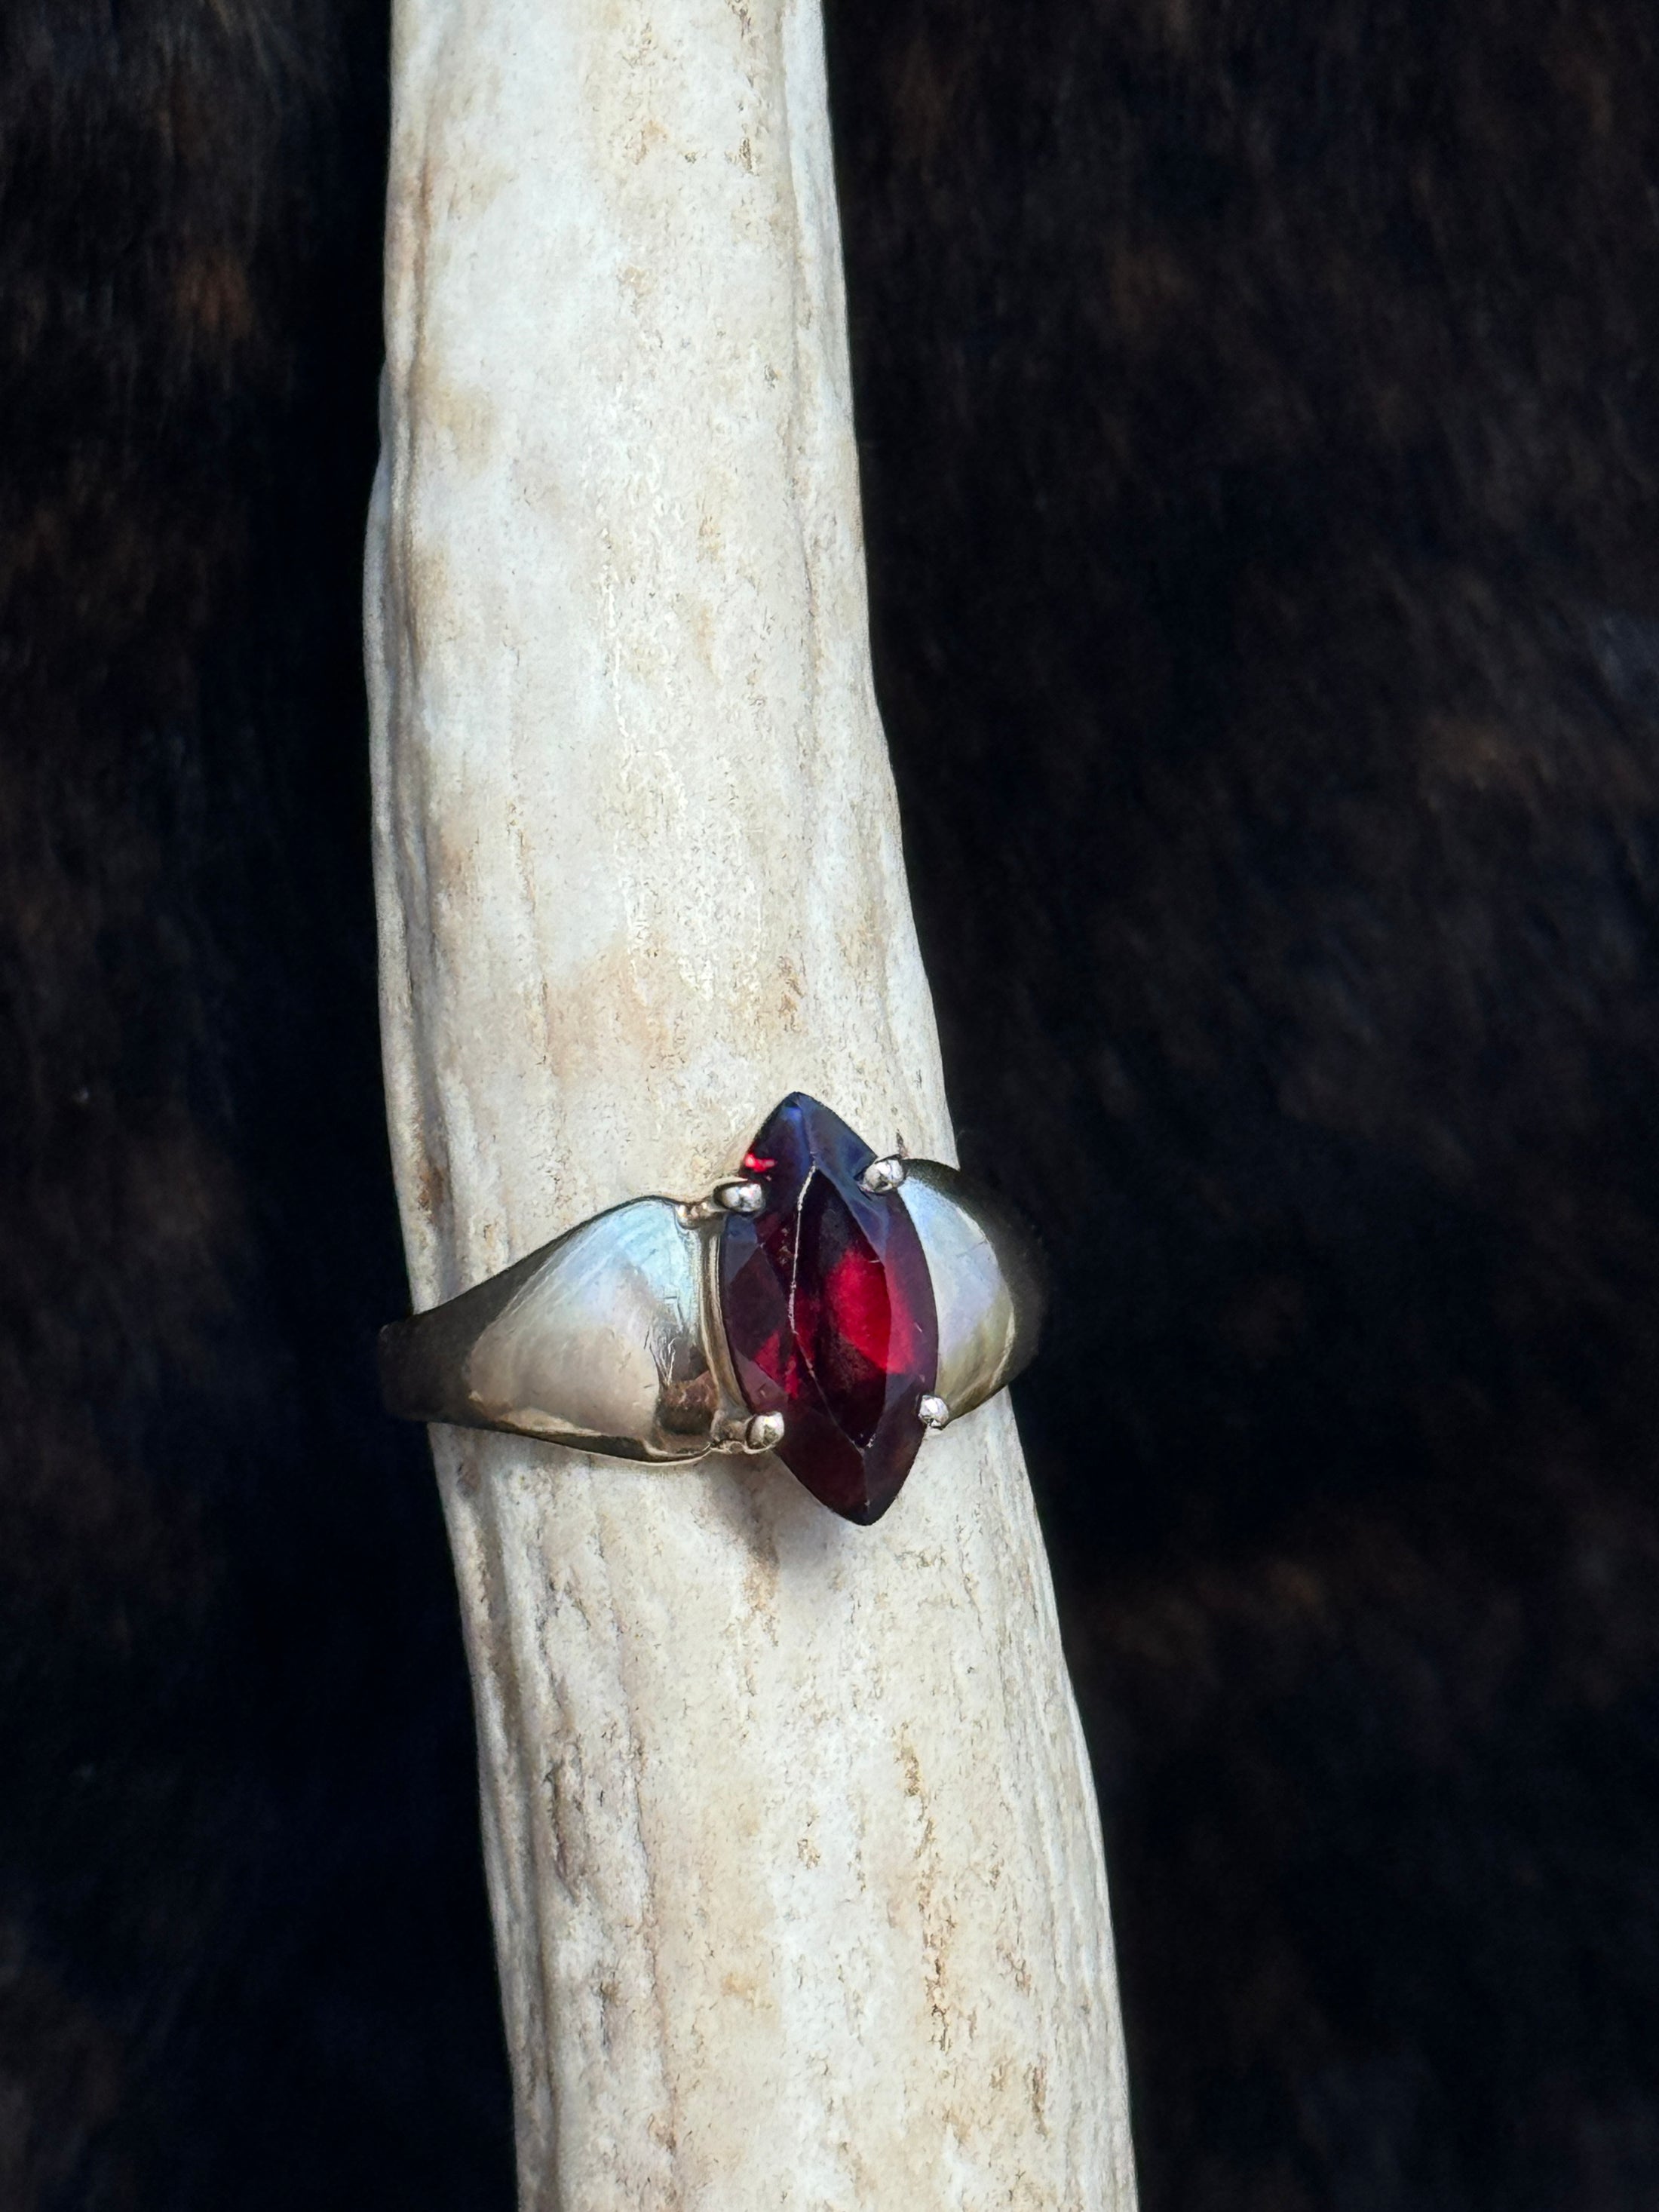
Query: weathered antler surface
point(795, 1863)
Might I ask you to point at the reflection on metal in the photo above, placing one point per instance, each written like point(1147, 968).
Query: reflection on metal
point(988, 1282)
point(596, 1341)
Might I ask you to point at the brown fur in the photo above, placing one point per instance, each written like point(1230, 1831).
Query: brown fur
point(242, 1951)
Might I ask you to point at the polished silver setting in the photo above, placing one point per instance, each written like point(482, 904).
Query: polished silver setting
point(610, 1338)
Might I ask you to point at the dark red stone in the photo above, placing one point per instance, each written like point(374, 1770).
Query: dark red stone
point(829, 1312)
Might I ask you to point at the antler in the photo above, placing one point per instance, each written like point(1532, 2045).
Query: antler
point(795, 1862)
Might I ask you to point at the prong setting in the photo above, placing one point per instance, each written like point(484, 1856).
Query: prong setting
point(736, 1195)
point(883, 1175)
point(934, 1412)
point(749, 1433)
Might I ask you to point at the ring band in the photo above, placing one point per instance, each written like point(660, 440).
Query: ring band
point(823, 1303)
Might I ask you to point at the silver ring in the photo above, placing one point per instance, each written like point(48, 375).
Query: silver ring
point(822, 1303)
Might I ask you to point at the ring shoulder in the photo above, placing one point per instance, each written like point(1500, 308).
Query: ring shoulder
point(989, 1282)
point(596, 1341)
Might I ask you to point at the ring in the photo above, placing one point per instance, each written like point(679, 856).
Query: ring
point(823, 1303)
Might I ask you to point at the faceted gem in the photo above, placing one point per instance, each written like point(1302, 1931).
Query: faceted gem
point(829, 1312)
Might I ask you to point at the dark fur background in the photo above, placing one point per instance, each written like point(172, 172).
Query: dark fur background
point(1261, 453)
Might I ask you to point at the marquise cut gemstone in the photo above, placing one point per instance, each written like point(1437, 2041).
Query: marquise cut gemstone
point(829, 1312)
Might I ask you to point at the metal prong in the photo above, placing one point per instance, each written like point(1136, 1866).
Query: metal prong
point(765, 1432)
point(882, 1175)
point(751, 1433)
point(739, 1196)
point(934, 1412)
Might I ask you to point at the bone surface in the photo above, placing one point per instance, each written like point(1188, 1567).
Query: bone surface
point(792, 1855)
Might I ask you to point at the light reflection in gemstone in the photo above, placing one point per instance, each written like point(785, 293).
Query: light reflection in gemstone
point(829, 1312)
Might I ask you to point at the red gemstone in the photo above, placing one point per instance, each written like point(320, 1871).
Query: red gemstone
point(829, 1312)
